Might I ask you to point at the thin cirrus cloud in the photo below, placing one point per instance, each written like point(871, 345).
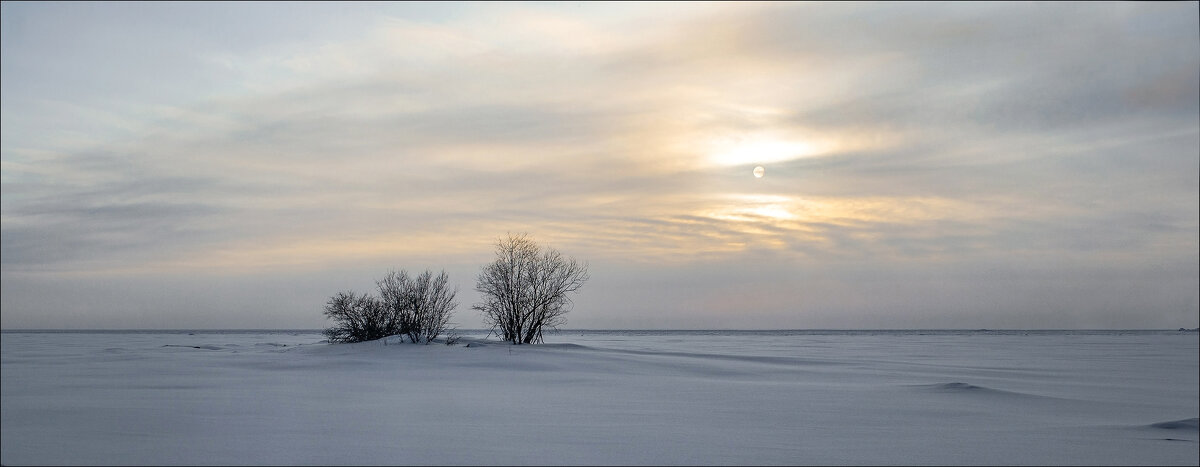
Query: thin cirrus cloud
point(1057, 140)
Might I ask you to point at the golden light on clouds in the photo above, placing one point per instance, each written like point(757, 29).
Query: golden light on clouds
point(821, 224)
point(762, 149)
point(626, 133)
point(753, 208)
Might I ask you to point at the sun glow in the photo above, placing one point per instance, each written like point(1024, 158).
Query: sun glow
point(740, 151)
point(754, 208)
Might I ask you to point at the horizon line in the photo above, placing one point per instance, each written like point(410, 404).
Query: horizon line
point(590, 329)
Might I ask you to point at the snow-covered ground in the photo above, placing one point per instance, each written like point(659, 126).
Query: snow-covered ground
point(602, 398)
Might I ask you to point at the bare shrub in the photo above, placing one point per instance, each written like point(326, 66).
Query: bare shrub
point(393, 291)
point(452, 337)
point(421, 305)
point(415, 307)
point(357, 318)
point(524, 290)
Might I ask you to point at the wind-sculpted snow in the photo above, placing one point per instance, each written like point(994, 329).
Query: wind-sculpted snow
point(1192, 424)
point(965, 388)
point(201, 347)
point(957, 398)
point(961, 387)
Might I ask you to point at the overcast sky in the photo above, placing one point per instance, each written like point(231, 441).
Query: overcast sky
point(927, 165)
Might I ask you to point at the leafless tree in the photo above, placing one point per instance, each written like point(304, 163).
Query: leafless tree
point(421, 305)
point(357, 318)
point(524, 290)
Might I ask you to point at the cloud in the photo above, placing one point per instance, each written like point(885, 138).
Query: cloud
point(909, 136)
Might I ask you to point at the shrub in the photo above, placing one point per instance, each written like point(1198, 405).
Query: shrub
point(422, 305)
point(357, 318)
point(416, 307)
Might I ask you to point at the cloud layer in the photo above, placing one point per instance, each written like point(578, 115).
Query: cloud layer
point(962, 165)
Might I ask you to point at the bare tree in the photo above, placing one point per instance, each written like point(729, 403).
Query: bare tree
point(525, 289)
point(421, 305)
point(357, 318)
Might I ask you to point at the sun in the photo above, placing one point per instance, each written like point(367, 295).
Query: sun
point(759, 172)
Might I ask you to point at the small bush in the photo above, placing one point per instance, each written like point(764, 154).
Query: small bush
point(422, 304)
point(358, 318)
point(452, 337)
point(416, 307)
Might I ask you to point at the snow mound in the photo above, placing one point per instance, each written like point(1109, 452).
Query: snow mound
point(1185, 424)
point(966, 388)
point(201, 347)
point(958, 387)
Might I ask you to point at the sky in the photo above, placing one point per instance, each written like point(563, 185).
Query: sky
point(926, 165)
